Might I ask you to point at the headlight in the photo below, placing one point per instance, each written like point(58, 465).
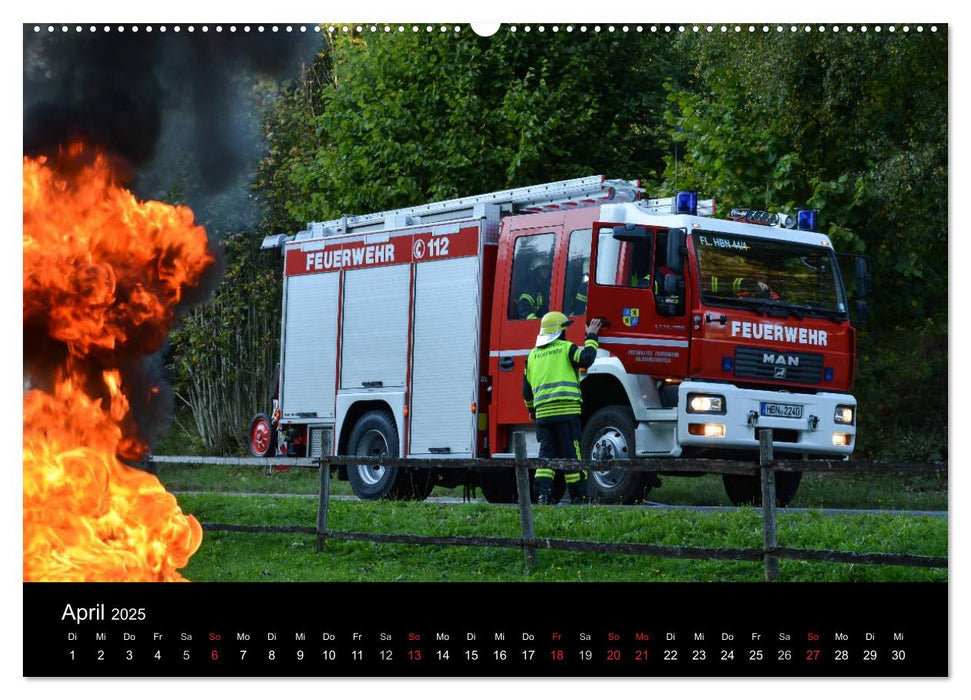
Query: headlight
point(705, 403)
point(708, 430)
point(845, 415)
point(842, 439)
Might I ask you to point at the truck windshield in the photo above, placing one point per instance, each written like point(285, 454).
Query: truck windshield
point(769, 275)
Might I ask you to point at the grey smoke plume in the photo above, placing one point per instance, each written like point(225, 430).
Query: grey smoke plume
point(176, 114)
point(119, 90)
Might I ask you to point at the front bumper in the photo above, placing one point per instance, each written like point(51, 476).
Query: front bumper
point(810, 433)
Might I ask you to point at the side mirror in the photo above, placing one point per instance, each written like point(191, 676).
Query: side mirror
point(862, 311)
point(676, 249)
point(630, 233)
point(672, 285)
point(670, 301)
point(862, 277)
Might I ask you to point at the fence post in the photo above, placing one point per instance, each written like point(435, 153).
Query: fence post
point(525, 505)
point(768, 504)
point(322, 504)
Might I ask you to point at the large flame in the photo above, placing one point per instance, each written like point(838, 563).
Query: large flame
point(103, 273)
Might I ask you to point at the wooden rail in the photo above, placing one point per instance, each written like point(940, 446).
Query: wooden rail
point(769, 554)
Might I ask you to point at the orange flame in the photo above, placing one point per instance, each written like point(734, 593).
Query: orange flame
point(100, 265)
point(102, 271)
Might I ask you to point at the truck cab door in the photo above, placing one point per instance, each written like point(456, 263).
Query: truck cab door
point(530, 283)
point(646, 323)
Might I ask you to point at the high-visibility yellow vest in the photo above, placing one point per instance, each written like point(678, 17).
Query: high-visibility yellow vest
point(554, 380)
point(736, 284)
point(534, 303)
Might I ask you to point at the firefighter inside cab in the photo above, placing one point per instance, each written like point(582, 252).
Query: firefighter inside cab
point(534, 301)
point(551, 390)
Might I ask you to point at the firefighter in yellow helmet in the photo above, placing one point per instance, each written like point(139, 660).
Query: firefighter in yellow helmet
point(551, 390)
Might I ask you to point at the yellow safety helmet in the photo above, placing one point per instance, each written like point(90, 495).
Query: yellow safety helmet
point(550, 327)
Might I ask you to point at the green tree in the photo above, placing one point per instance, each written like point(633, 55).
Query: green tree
point(853, 125)
point(225, 351)
point(856, 127)
point(408, 118)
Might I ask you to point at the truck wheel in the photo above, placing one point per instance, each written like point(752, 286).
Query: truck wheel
point(747, 490)
point(375, 435)
point(498, 485)
point(261, 436)
point(417, 483)
point(609, 435)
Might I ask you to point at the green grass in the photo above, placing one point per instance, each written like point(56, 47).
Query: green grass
point(207, 477)
point(820, 490)
point(907, 491)
point(291, 557)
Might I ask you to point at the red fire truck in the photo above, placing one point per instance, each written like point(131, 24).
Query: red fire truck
point(405, 333)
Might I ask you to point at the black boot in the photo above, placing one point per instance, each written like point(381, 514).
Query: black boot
point(543, 486)
point(578, 492)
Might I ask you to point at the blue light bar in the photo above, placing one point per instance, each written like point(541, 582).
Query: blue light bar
point(806, 220)
point(828, 374)
point(727, 364)
point(687, 203)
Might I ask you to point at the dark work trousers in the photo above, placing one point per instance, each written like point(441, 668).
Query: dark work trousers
point(559, 437)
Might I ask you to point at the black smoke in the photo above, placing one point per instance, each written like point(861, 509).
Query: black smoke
point(171, 112)
point(116, 90)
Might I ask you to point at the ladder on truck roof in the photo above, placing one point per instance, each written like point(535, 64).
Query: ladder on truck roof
point(563, 194)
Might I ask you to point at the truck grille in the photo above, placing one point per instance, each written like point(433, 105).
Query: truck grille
point(775, 365)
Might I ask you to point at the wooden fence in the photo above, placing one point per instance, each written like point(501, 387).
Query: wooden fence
point(769, 553)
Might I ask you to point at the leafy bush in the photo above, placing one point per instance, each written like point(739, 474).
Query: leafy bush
point(225, 352)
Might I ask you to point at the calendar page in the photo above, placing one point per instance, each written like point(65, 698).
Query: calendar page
point(409, 350)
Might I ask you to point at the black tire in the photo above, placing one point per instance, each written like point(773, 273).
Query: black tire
point(261, 437)
point(747, 490)
point(375, 435)
point(417, 483)
point(498, 485)
point(608, 435)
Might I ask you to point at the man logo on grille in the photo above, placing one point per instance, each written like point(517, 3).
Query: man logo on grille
point(631, 316)
point(770, 358)
point(780, 372)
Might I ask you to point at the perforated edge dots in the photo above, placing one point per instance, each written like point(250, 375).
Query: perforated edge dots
point(489, 31)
